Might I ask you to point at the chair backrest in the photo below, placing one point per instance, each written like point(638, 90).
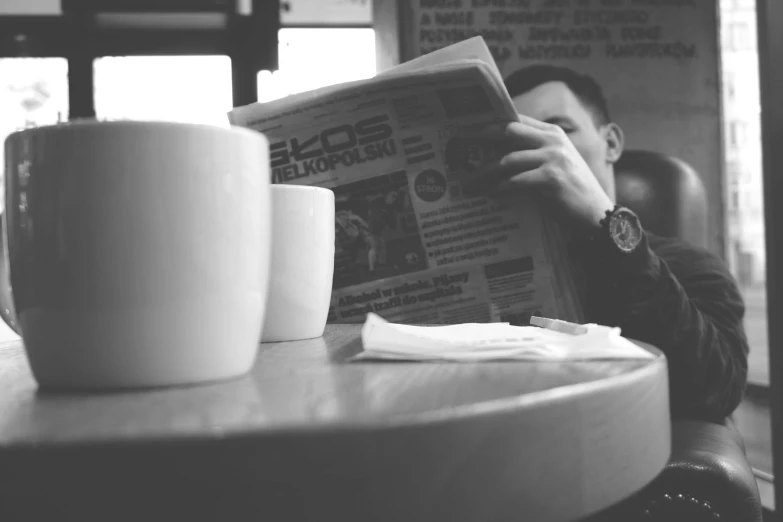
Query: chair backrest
point(665, 192)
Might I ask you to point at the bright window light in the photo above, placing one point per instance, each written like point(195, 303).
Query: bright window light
point(189, 89)
point(317, 57)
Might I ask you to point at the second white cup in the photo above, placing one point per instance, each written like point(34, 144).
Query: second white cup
point(302, 264)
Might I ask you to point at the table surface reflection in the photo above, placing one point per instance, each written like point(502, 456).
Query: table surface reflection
point(307, 435)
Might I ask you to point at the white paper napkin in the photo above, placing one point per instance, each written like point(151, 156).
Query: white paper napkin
point(382, 340)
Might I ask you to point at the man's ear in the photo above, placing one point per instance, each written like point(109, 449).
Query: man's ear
point(615, 142)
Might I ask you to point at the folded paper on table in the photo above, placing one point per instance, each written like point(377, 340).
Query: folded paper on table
point(382, 340)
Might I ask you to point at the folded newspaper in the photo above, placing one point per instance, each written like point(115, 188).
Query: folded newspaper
point(468, 342)
point(412, 245)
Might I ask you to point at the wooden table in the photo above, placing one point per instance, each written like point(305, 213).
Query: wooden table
point(308, 436)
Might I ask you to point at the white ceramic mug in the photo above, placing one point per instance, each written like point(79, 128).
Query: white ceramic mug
point(138, 252)
point(302, 266)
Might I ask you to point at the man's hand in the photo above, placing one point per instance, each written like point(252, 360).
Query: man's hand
point(543, 159)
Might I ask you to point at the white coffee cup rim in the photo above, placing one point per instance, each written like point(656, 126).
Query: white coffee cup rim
point(300, 188)
point(91, 122)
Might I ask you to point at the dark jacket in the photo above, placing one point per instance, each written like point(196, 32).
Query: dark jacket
point(684, 301)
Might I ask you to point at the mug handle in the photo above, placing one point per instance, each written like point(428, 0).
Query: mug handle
point(7, 311)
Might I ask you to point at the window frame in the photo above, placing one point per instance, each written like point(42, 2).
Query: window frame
point(250, 41)
point(769, 19)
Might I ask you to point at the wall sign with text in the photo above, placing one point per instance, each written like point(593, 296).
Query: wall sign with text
point(558, 29)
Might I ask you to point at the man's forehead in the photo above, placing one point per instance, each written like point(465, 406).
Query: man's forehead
point(550, 100)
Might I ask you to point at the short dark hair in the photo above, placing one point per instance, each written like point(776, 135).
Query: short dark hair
point(586, 89)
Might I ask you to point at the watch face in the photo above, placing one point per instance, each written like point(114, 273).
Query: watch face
point(625, 230)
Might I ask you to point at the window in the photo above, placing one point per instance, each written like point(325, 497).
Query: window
point(747, 255)
point(195, 89)
point(733, 173)
point(728, 85)
point(738, 133)
point(33, 91)
point(322, 42)
point(326, 12)
point(739, 36)
point(734, 200)
point(316, 57)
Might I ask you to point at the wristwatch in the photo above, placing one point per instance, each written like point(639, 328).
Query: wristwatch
point(621, 231)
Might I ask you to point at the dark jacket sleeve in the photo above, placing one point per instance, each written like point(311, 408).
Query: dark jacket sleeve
point(684, 301)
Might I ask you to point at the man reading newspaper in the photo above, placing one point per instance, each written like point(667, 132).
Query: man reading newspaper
point(410, 245)
point(659, 290)
point(442, 191)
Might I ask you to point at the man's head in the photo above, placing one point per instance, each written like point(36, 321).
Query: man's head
point(575, 103)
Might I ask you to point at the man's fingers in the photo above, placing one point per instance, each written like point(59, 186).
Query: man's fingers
point(505, 169)
point(516, 133)
point(538, 177)
point(532, 122)
point(516, 162)
point(485, 130)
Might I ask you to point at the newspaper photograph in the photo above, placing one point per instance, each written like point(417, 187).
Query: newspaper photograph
point(413, 243)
